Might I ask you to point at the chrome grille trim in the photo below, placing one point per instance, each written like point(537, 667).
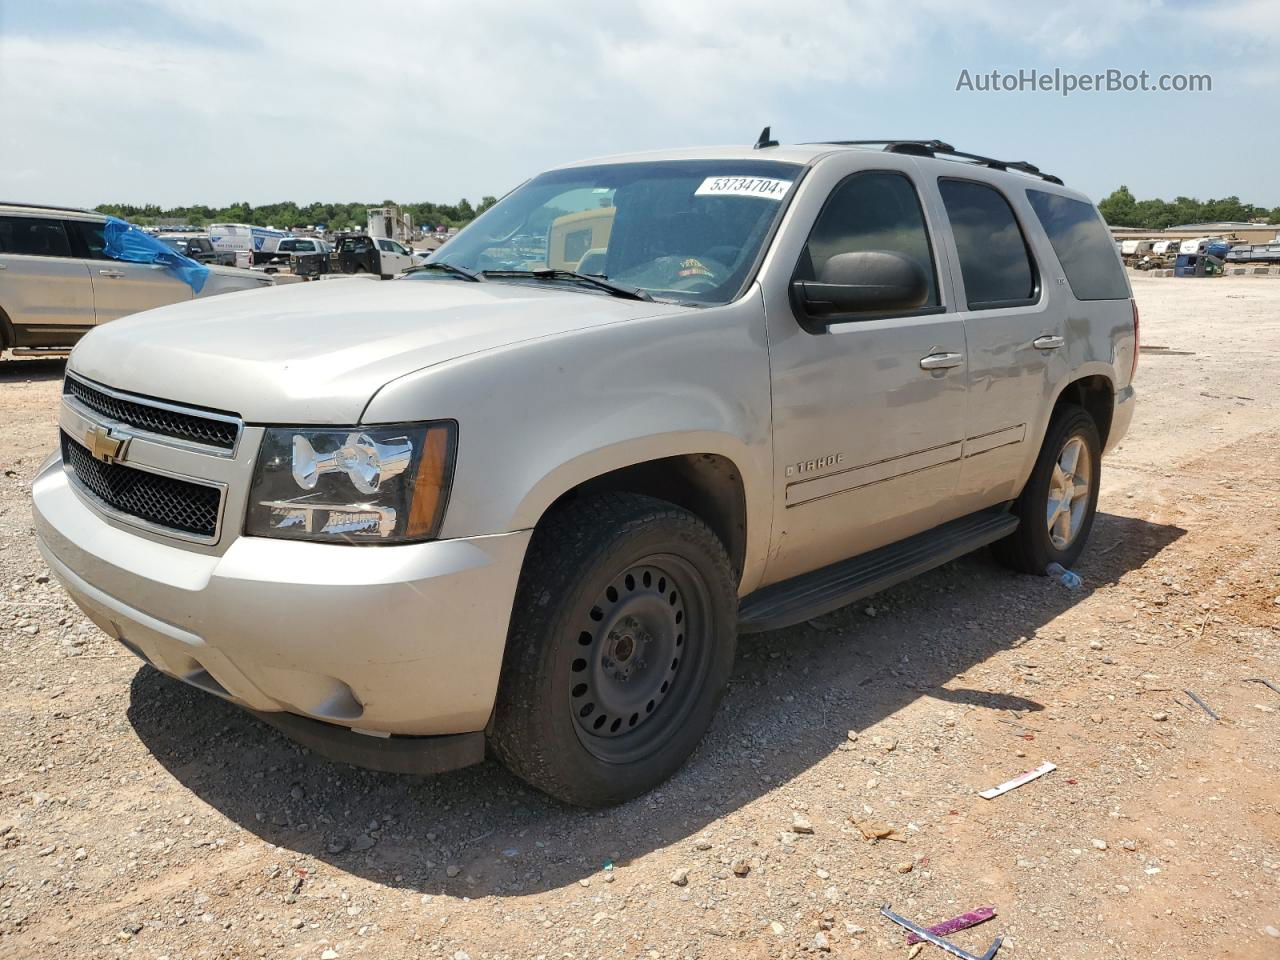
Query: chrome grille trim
point(204, 431)
point(94, 486)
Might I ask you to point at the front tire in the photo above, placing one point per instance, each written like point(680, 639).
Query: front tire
point(1057, 506)
point(620, 647)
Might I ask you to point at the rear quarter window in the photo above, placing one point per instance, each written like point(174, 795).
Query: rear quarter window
point(1083, 245)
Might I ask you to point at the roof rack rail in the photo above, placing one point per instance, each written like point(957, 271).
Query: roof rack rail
point(45, 206)
point(931, 148)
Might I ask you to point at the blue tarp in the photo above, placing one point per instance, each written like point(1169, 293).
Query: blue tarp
point(124, 241)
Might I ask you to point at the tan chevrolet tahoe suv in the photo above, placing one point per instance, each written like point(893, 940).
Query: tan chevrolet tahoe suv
point(524, 499)
point(59, 280)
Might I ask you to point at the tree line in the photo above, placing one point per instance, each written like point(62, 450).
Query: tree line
point(334, 216)
point(1122, 209)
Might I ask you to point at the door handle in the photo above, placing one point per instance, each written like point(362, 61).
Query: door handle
point(1048, 342)
point(941, 361)
point(110, 273)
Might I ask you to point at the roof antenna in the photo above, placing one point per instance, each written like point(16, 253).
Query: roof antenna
point(764, 140)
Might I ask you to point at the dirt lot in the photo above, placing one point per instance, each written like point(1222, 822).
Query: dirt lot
point(140, 818)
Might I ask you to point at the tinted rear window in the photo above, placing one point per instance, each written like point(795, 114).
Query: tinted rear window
point(1083, 245)
point(994, 262)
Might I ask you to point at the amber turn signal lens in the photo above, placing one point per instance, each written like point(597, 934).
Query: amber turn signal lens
point(431, 484)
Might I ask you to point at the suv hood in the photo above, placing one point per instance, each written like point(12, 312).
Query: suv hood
point(317, 352)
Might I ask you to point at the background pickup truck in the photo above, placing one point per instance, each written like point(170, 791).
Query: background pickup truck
point(360, 253)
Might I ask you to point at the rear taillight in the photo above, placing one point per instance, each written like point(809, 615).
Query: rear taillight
point(1136, 339)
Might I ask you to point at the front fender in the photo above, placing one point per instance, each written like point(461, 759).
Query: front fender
point(536, 419)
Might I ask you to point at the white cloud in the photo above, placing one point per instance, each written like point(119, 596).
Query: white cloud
point(377, 99)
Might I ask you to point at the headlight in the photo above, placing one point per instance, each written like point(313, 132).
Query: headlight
point(378, 484)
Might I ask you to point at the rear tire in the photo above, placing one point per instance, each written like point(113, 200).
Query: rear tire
point(620, 647)
point(1055, 515)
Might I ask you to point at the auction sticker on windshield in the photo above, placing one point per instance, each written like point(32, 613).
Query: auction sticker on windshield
point(743, 187)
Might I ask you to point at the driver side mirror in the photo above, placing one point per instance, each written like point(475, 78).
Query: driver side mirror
point(869, 281)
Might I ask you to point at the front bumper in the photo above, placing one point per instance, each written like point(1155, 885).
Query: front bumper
point(381, 639)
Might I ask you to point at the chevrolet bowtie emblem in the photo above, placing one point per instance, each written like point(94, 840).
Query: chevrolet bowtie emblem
point(104, 445)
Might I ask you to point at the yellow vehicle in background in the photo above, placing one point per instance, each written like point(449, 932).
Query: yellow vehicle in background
point(577, 241)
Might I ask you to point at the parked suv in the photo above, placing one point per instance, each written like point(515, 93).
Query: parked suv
point(526, 498)
point(57, 281)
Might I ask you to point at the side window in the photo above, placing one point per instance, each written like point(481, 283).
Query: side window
point(873, 211)
point(34, 237)
point(1080, 239)
point(387, 246)
point(87, 238)
point(994, 259)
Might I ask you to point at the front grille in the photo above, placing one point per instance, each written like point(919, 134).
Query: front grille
point(144, 416)
point(165, 501)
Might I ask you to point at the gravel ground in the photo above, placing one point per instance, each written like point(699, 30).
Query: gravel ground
point(141, 818)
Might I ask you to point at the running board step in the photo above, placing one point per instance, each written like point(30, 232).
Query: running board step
point(813, 594)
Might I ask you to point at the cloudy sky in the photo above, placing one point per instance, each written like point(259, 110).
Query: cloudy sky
point(215, 102)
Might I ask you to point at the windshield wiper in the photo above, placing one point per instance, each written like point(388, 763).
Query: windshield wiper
point(447, 268)
point(548, 273)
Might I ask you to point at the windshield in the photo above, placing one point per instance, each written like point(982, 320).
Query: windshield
point(681, 230)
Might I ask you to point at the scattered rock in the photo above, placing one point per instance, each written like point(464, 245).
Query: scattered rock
point(874, 830)
point(452, 870)
point(853, 736)
point(1129, 845)
point(362, 843)
point(680, 876)
point(1095, 644)
point(329, 955)
point(904, 867)
point(1160, 716)
point(1271, 931)
point(1099, 844)
point(740, 866)
point(821, 943)
point(777, 928)
point(801, 824)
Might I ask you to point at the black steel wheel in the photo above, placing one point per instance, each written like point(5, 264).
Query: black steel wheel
point(620, 647)
point(643, 655)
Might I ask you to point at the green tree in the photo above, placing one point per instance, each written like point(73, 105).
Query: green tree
point(1119, 209)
